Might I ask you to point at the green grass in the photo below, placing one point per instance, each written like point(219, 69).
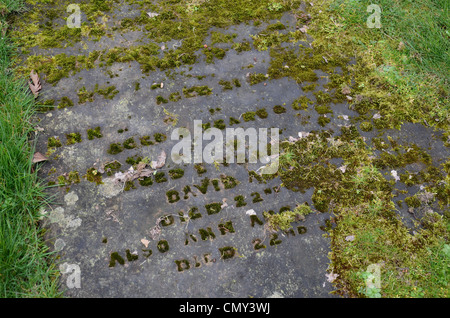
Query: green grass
point(25, 262)
point(411, 49)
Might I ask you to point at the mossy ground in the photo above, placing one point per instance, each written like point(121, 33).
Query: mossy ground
point(357, 192)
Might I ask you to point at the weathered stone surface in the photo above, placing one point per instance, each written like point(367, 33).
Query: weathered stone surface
point(105, 229)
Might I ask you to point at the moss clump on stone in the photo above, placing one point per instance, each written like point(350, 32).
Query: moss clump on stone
point(227, 252)
point(276, 26)
point(282, 221)
point(413, 202)
point(323, 120)
point(129, 143)
point(65, 102)
point(220, 124)
point(115, 148)
point(229, 182)
point(200, 168)
point(183, 265)
point(73, 138)
point(146, 181)
point(107, 92)
point(255, 219)
point(163, 246)
point(234, 121)
point(301, 229)
point(322, 98)
point(194, 214)
point(204, 186)
point(174, 97)
point(176, 173)
point(54, 142)
point(197, 91)
point(159, 137)
point(226, 85)
point(212, 53)
point(308, 88)
point(217, 37)
point(47, 105)
point(173, 196)
point(73, 177)
point(167, 220)
point(85, 96)
point(366, 126)
point(206, 126)
point(160, 177)
point(161, 100)
point(112, 167)
point(278, 109)
point(213, 208)
point(131, 257)
point(145, 141)
point(205, 234)
point(301, 103)
point(129, 185)
point(242, 46)
point(255, 78)
point(92, 175)
point(116, 257)
point(248, 116)
point(240, 201)
point(94, 133)
point(133, 160)
point(262, 113)
point(323, 109)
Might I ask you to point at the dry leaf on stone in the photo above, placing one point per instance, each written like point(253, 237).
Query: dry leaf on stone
point(346, 90)
point(224, 205)
point(331, 277)
point(38, 157)
point(376, 116)
point(145, 242)
point(160, 162)
point(292, 139)
point(34, 84)
point(303, 134)
point(132, 174)
point(250, 212)
point(394, 174)
point(350, 238)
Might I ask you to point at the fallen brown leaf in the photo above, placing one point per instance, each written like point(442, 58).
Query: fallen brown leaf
point(160, 162)
point(34, 84)
point(38, 157)
point(346, 90)
point(145, 242)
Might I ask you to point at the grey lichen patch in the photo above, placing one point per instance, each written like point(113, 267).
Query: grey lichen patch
point(109, 188)
point(71, 198)
point(59, 245)
point(57, 216)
